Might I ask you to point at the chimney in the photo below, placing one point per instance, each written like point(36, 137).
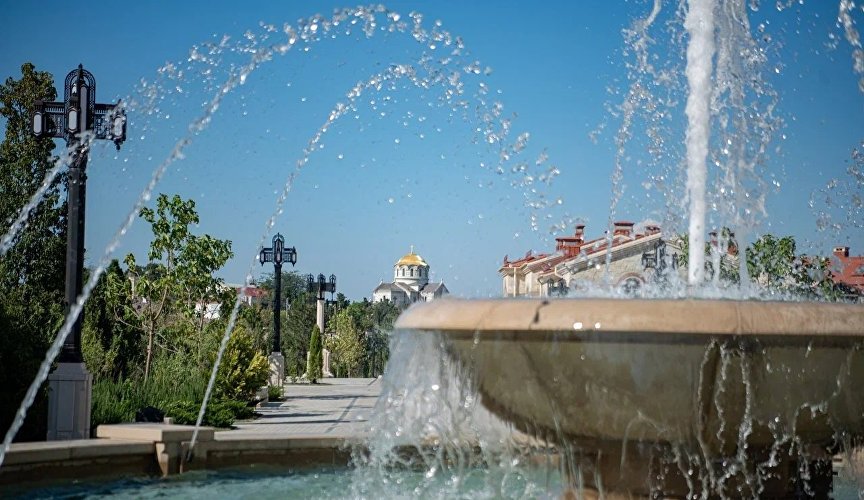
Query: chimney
point(842, 252)
point(651, 229)
point(623, 228)
point(571, 245)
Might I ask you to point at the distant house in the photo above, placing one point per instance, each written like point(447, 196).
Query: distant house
point(634, 258)
point(251, 296)
point(410, 283)
point(847, 269)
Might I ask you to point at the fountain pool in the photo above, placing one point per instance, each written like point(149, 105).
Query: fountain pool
point(263, 482)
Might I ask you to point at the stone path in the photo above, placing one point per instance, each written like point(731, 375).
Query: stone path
point(334, 407)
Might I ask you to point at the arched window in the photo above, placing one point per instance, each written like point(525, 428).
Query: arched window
point(412, 272)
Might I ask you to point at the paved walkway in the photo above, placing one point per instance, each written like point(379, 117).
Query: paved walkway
point(334, 407)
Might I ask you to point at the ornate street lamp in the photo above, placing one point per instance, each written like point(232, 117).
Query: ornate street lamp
point(79, 119)
point(277, 254)
point(79, 112)
point(319, 286)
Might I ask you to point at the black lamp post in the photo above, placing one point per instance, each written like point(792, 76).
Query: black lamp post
point(277, 254)
point(320, 286)
point(78, 119)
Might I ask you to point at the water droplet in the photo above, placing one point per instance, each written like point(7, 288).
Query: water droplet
point(390, 200)
point(577, 325)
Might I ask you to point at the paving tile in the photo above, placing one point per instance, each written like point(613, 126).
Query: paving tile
point(334, 407)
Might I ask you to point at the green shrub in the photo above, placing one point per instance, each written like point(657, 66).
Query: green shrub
point(274, 393)
point(239, 409)
point(313, 367)
point(171, 381)
point(176, 386)
point(218, 414)
point(243, 369)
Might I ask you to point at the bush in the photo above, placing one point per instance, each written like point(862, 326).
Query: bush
point(274, 392)
point(117, 401)
point(219, 413)
point(243, 369)
point(313, 367)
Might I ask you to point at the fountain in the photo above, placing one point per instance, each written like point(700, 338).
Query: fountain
point(668, 397)
point(684, 397)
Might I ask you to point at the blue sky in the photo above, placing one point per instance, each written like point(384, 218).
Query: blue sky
point(402, 170)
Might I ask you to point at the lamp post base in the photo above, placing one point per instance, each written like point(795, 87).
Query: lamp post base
point(325, 370)
point(277, 369)
point(69, 400)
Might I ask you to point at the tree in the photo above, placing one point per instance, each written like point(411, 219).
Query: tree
point(258, 320)
point(297, 325)
point(313, 366)
point(376, 352)
point(773, 265)
point(171, 294)
point(383, 316)
point(31, 272)
point(346, 343)
point(725, 251)
point(293, 286)
point(771, 261)
point(110, 342)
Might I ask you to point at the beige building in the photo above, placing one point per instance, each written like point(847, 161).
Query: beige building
point(635, 257)
point(410, 283)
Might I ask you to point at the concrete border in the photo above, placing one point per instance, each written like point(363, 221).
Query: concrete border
point(148, 449)
point(530, 318)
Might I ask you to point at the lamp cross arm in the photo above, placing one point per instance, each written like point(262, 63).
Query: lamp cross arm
point(49, 119)
point(266, 255)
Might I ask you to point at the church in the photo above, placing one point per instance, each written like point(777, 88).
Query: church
point(410, 283)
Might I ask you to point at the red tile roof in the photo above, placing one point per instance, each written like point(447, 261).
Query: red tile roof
point(848, 269)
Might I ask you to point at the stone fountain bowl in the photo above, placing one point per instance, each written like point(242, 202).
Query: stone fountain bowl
point(711, 376)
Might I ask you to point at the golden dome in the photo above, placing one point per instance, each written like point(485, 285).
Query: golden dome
point(412, 259)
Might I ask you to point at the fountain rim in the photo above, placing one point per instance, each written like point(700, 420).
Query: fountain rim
point(530, 319)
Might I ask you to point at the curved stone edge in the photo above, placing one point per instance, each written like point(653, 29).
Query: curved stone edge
point(662, 316)
point(153, 450)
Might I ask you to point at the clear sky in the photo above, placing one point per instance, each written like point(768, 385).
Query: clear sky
point(403, 170)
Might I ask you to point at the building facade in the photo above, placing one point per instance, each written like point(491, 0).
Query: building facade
point(847, 269)
point(635, 257)
point(410, 283)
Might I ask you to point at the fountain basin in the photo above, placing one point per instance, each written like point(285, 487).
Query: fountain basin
point(155, 449)
point(699, 377)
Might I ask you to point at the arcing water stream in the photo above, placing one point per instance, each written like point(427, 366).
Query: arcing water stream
point(446, 72)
